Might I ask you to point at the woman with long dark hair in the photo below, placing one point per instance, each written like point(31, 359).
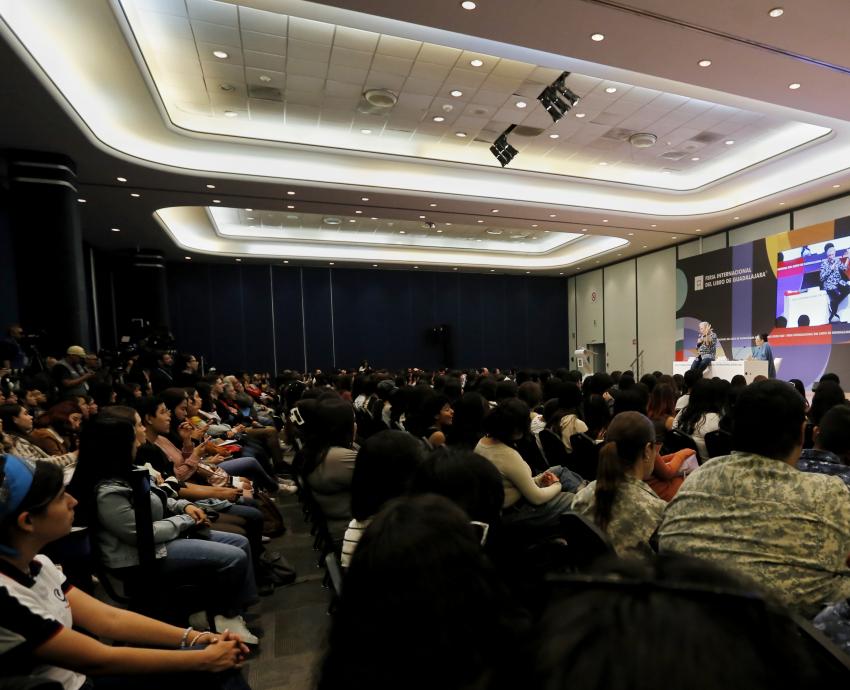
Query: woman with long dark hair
point(56, 431)
point(619, 502)
point(16, 425)
point(701, 415)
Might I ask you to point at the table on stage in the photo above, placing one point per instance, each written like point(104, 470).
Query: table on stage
point(727, 368)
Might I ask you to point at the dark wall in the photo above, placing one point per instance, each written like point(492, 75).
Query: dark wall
point(8, 276)
point(266, 317)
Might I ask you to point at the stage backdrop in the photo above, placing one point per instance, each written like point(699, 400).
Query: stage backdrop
point(772, 286)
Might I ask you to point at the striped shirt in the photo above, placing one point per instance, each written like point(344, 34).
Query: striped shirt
point(351, 539)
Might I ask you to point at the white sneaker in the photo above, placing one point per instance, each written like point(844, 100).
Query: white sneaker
point(236, 625)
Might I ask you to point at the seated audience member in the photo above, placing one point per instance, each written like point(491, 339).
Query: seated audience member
point(41, 608)
point(57, 430)
point(384, 469)
point(16, 424)
point(32, 398)
point(690, 377)
point(629, 606)
point(831, 452)
point(468, 421)
point(569, 423)
point(532, 501)
point(661, 409)
point(701, 415)
point(619, 501)
point(437, 411)
point(329, 464)
point(107, 457)
point(532, 395)
point(668, 472)
point(753, 511)
point(422, 607)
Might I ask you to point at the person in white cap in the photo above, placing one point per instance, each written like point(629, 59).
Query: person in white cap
point(70, 375)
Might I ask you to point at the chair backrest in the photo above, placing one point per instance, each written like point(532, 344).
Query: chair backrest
point(334, 572)
point(676, 440)
point(553, 448)
point(140, 483)
point(585, 457)
point(586, 542)
point(718, 443)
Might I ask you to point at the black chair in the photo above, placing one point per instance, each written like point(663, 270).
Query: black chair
point(530, 452)
point(585, 541)
point(554, 449)
point(718, 443)
point(676, 440)
point(585, 456)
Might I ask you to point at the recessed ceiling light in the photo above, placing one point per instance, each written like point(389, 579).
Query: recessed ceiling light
point(581, 115)
point(534, 225)
point(584, 229)
point(729, 142)
point(644, 246)
point(699, 229)
point(220, 54)
point(438, 118)
point(737, 218)
point(478, 240)
point(216, 201)
point(560, 274)
point(611, 89)
point(365, 131)
point(439, 231)
point(494, 210)
point(291, 193)
point(479, 221)
point(82, 201)
point(330, 263)
point(433, 205)
point(402, 232)
point(631, 234)
point(250, 218)
point(351, 220)
point(492, 270)
point(448, 224)
point(597, 37)
point(135, 195)
point(782, 203)
point(521, 104)
point(604, 220)
point(695, 158)
point(209, 186)
point(794, 86)
point(674, 237)
point(704, 63)
point(476, 63)
point(421, 217)
point(776, 12)
point(374, 265)
point(416, 267)
point(460, 134)
point(653, 225)
point(230, 113)
point(290, 207)
point(116, 229)
point(455, 268)
point(553, 215)
point(188, 258)
point(468, 5)
point(238, 260)
point(227, 87)
point(602, 163)
point(373, 218)
point(265, 78)
point(527, 272)
point(364, 198)
point(358, 212)
point(249, 210)
point(456, 93)
point(666, 172)
point(554, 136)
point(835, 186)
point(286, 261)
point(121, 179)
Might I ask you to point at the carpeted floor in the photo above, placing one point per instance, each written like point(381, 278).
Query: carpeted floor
point(294, 620)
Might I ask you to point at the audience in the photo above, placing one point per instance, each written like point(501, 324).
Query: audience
point(831, 452)
point(701, 415)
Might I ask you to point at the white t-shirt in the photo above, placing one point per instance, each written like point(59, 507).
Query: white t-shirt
point(33, 609)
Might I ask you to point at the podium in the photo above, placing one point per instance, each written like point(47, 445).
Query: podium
point(727, 368)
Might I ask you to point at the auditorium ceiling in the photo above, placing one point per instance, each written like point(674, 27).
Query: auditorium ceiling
point(359, 132)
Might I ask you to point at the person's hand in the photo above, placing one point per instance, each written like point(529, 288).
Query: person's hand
point(185, 430)
point(225, 654)
point(228, 493)
point(547, 479)
point(198, 515)
point(606, 396)
point(246, 483)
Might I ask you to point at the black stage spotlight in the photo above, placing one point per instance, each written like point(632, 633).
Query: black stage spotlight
point(502, 150)
point(557, 98)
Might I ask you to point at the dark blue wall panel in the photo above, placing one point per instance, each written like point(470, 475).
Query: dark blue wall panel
point(349, 315)
point(8, 279)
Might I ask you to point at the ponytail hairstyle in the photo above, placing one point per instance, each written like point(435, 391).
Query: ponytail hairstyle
point(625, 443)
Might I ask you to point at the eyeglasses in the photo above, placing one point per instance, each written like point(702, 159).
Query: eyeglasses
point(483, 529)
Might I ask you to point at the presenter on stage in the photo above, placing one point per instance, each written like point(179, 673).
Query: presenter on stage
point(706, 347)
point(763, 352)
point(833, 279)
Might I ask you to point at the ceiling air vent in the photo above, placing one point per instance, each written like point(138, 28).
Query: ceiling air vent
point(523, 131)
point(377, 101)
point(707, 137)
point(673, 155)
point(643, 140)
point(618, 134)
point(266, 93)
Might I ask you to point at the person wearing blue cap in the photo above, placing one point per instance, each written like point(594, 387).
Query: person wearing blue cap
point(38, 607)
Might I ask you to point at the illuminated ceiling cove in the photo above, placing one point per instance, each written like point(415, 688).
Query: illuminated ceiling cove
point(290, 94)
